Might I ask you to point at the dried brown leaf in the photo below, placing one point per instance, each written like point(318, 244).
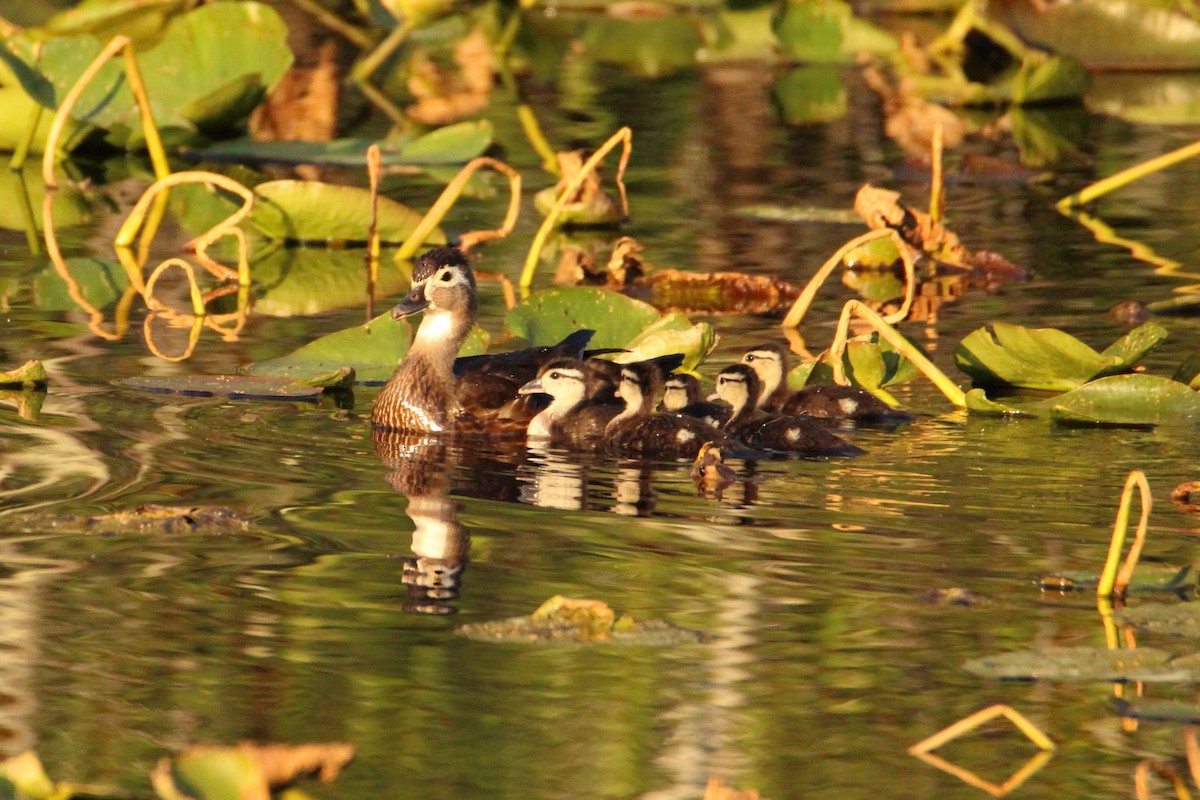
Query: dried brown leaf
point(447, 94)
point(716, 790)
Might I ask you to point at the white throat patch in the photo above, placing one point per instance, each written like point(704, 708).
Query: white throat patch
point(436, 326)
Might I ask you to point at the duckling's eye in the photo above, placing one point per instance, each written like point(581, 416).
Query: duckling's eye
point(446, 276)
point(554, 376)
point(748, 357)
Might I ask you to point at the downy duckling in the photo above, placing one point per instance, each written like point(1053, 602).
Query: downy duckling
point(571, 420)
point(682, 395)
point(424, 394)
point(737, 385)
point(638, 430)
point(823, 401)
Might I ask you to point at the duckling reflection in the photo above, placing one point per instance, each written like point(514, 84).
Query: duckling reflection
point(553, 478)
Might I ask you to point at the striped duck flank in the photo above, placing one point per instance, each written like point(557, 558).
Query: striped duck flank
point(823, 401)
point(765, 430)
point(433, 392)
point(682, 396)
point(638, 430)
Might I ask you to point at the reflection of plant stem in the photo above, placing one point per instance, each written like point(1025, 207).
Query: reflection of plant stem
point(373, 169)
point(154, 145)
point(450, 195)
point(1111, 583)
point(1104, 234)
point(335, 23)
point(968, 724)
point(95, 316)
point(31, 231)
point(1106, 185)
point(936, 189)
point(197, 324)
point(197, 297)
point(800, 307)
point(137, 216)
point(537, 139)
point(624, 137)
point(920, 361)
point(1141, 779)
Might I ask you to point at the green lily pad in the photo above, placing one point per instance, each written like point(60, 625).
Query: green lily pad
point(1156, 710)
point(1110, 34)
point(99, 281)
point(371, 350)
point(979, 402)
point(1128, 400)
point(211, 67)
point(1084, 664)
point(1148, 577)
point(545, 317)
point(311, 211)
point(672, 333)
point(235, 387)
point(31, 373)
point(870, 363)
point(826, 31)
point(562, 620)
point(142, 21)
point(294, 281)
point(808, 94)
point(1047, 358)
point(453, 144)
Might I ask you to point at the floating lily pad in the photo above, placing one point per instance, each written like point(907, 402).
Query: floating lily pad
point(292, 281)
point(826, 31)
point(211, 67)
point(672, 333)
point(453, 144)
point(870, 363)
point(1084, 664)
point(1156, 710)
point(1148, 577)
point(1047, 358)
point(1180, 619)
point(31, 373)
point(311, 211)
point(371, 350)
point(235, 387)
point(978, 402)
point(564, 620)
point(545, 317)
point(245, 771)
point(1128, 400)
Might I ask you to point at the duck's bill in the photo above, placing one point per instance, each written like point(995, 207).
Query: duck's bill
point(415, 301)
point(533, 387)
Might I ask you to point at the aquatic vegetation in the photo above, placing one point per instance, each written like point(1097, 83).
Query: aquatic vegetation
point(31, 373)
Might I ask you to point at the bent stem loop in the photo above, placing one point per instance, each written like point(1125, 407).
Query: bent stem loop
point(801, 305)
point(968, 724)
point(450, 196)
point(153, 304)
point(1114, 584)
point(838, 348)
point(199, 245)
point(624, 137)
point(154, 145)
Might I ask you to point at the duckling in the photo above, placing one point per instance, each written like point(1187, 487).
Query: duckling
point(571, 420)
point(424, 394)
point(823, 401)
point(737, 385)
point(604, 376)
point(682, 395)
point(638, 430)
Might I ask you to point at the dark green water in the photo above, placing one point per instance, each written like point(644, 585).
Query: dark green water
point(825, 661)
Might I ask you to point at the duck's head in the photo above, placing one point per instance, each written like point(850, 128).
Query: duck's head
point(564, 379)
point(442, 282)
point(736, 385)
point(680, 390)
point(640, 386)
point(769, 363)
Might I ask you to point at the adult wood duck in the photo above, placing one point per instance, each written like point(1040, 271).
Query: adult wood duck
point(682, 395)
point(823, 401)
point(432, 393)
point(638, 430)
point(738, 385)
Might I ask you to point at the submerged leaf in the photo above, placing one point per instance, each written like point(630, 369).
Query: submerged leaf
point(573, 621)
point(545, 317)
point(1128, 400)
point(31, 373)
point(1180, 619)
point(236, 387)
point(148, 518)
point(1084, 664)
point(1047, 358)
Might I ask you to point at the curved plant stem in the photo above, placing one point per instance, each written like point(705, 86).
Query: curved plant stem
point(448, 198)
point(537, 139)
point(133, 223)
point(197, 296)
point(356, 36)
point(970, 723)
point(1114, 584)
point(365, 68)
point(836, 350)
point(1103, 187)
point(158, 155)
point(801, 305)
point(625, 137)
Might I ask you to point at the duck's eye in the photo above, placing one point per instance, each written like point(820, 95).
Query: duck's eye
point(748, 357)
point(446, 276)
point(554, 376)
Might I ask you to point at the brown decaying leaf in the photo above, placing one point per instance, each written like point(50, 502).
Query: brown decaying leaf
point(591, 192)
point(1182, 494)
point(447, 94)
point(303, 107)
point(910, 118)
point(716, 790)
point(278, 765)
